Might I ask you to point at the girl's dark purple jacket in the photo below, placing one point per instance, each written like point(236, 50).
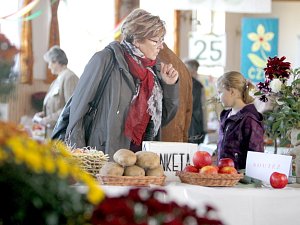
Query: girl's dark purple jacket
point(239, 134)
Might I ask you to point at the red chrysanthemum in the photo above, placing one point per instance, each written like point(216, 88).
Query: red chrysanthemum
point(277, 68)
point(140, 206)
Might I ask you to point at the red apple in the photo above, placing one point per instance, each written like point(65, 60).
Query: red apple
point(225, 162)
point(190, 168)
point(209, 170)
point(228, 170)
point(278, 180)
point(201, 159)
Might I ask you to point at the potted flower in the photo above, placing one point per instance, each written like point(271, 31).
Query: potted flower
point(281, 88)
point(36, 181)
point(142, 206)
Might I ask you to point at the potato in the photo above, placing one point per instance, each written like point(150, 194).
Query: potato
point(134, 171)
point(124, 157)
point(157, 172)
point(111, 169)
point(147, 160)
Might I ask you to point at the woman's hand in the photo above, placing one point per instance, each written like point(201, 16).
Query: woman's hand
point(168, 73)
point(38, 117)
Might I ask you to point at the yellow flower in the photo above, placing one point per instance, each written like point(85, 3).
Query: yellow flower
point(3, 155)
point(49, 164)
point(45, 171)
point(261, 39)
point(63, 168)
point(95, 194)
point(33, 160)
point(16, 146)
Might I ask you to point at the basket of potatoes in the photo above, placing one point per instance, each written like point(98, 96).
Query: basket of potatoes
point(132, 169)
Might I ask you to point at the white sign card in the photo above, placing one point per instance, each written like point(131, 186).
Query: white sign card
point(261, 165)
point(174, 156)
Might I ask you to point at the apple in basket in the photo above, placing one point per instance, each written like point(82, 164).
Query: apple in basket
point(228, 170)
point(191, 169)
point(210, 169)
point(201, 159)
point(225, 162)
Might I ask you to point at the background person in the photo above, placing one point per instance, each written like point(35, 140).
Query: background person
point(198, 125)
point(141, 94)
point(60, 90)
point(241, 126)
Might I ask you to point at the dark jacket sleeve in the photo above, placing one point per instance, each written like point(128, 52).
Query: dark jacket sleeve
point(254, 132)
point(170, 101)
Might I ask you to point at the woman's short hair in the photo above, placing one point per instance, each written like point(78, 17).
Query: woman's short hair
point(56, 54)
point(140, 25)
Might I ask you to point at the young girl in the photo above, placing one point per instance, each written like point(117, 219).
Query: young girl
point(241, 127)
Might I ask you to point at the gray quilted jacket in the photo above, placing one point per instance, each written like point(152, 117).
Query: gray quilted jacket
point(108, 126)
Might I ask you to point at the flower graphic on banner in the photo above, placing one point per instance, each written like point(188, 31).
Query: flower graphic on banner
point(261, 39)
point(261, 42)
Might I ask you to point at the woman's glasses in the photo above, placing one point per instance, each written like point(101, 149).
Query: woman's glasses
point(158, 42)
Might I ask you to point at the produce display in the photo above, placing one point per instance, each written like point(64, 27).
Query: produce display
point(128, 163)
point(202, 161)
point(132, 169)
point(204, 173)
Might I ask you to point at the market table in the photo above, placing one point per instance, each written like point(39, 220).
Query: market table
point(238, 205)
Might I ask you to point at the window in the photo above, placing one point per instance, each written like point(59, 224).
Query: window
point(10, 26)
point(210, 22)
point(85, 27)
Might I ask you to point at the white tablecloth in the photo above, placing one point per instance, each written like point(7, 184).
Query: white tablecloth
point(239, 205)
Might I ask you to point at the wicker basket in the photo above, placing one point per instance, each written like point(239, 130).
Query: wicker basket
point(91, 162)
point(131, 181)
point(211, 180)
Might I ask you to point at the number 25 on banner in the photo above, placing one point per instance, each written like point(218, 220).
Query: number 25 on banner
point(208, 49)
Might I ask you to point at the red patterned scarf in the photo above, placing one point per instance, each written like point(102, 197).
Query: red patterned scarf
point(138, 117)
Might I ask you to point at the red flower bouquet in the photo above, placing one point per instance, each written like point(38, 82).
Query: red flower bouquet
point(143, 206)
point(282, 88)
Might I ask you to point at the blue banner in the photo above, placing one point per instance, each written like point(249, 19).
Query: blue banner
point(259, 41)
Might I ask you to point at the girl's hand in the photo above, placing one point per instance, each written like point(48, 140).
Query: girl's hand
point(168, 73)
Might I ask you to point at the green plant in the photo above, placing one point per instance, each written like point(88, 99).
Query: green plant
point(7, 56)
point(282, 89)
point(36, 182)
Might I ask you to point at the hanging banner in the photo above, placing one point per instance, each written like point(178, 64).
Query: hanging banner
point(258, 42)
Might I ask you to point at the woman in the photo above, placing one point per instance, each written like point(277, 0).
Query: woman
point(60, 90)
point(141, 94)
point(241, 128)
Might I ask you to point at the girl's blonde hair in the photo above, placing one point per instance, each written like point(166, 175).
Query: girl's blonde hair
point(140, 25)
point(237, 81)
